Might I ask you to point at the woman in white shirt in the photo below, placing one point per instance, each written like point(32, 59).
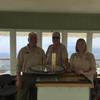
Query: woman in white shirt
point(83, 62)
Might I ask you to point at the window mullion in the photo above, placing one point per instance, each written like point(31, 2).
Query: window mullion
point(13, 51)
point(64, 39)
point(89, 41)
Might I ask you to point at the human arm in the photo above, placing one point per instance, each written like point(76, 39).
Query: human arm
point(43, 58)
point(48, 55)
point(19, 68)
point(92, 63)
point(64, 56)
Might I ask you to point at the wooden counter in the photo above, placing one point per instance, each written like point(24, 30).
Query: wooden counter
point(63, 87)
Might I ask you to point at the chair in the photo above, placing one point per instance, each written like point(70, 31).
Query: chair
point(7, 87)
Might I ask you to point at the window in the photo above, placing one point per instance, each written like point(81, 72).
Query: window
point(96, 46)
point(46, 40)
point(71, 43)
point(4, 52)
point(21, 40)
point(96, 50)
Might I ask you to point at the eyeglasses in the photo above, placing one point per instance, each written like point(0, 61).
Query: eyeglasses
point(56, 37)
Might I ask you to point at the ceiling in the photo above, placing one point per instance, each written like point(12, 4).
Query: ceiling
point(61, 6)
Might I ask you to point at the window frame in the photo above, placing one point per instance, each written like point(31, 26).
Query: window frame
point(13, 59)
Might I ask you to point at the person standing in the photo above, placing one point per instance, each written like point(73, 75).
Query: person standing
point(82, 61)
point(59, 50)
point(29, 56)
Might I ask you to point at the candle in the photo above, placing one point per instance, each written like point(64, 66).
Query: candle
point(53, 61)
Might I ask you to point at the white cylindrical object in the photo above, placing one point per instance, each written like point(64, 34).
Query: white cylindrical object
point(21, 73)
point(53, 60)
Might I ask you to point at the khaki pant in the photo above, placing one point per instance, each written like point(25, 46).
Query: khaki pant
point(28, 90)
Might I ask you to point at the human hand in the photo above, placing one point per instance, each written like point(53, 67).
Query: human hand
point(79, 72)
point(18, 82)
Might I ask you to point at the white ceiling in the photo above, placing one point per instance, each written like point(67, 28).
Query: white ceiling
point(64, 6)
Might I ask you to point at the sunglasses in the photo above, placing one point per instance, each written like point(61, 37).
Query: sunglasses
point(56, 37)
